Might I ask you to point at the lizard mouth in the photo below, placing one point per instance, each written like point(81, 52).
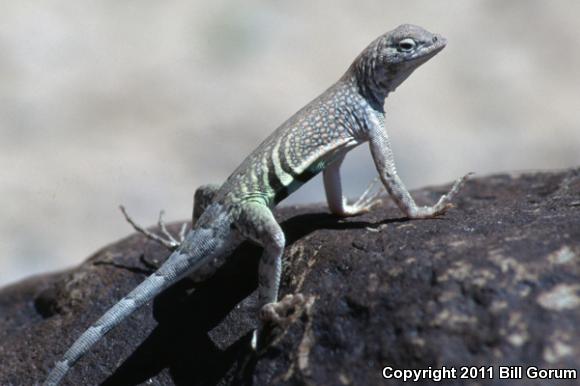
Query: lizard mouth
point(438, 43)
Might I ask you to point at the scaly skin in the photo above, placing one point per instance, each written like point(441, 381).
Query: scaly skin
point(315, 139)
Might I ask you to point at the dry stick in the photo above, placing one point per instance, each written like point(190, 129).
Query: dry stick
point(170, 244)
point(164, 230)
point(170, 237)
point(182, 232)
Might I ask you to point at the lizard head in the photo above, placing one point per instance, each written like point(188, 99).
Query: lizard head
point(393, 56)
point(407, 46)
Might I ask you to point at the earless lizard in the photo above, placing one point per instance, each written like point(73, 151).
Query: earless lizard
point(313, 140)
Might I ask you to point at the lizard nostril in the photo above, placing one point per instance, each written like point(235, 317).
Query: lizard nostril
point(435, 39)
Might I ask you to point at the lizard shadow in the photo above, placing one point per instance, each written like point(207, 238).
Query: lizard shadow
point(188, 311)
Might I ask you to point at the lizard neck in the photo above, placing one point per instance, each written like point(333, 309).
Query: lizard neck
point(362, 78)
point(374, 82)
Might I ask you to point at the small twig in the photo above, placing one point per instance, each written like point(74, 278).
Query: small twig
point(182, 232)
point(170, 244)
point(164, 230)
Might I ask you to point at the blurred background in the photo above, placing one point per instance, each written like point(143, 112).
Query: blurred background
point(139, 102)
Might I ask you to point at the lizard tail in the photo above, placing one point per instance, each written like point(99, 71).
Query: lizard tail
point(177, 265)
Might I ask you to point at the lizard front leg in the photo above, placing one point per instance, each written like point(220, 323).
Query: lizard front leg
point(384, 160)
point(337, 203)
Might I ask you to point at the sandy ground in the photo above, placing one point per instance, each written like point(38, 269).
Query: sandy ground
point(138, 102)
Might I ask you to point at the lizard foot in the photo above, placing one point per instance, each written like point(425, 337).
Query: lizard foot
point(444, 202)
point(367, 201)
point(282, 313)
point(167, 239)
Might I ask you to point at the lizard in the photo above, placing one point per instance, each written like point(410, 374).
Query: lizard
point(315, 139)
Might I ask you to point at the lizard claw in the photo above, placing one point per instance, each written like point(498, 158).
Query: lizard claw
point(444, 209)
point(282, 313)
point(444, 201)
point(443, 205)
point(367, 201)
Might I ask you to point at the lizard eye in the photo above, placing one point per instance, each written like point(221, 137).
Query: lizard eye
point(407, 44)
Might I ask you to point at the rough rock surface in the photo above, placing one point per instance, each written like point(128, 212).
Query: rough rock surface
point(494, 282)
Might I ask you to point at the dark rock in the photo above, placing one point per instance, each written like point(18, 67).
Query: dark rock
point(494, 282)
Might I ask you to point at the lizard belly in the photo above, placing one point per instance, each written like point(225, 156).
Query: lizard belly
point(290, 180)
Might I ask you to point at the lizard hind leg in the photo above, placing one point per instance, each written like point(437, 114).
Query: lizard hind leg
point(258, 224)
point(202, 197)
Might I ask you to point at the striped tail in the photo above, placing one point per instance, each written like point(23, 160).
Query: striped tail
point(177, 265)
